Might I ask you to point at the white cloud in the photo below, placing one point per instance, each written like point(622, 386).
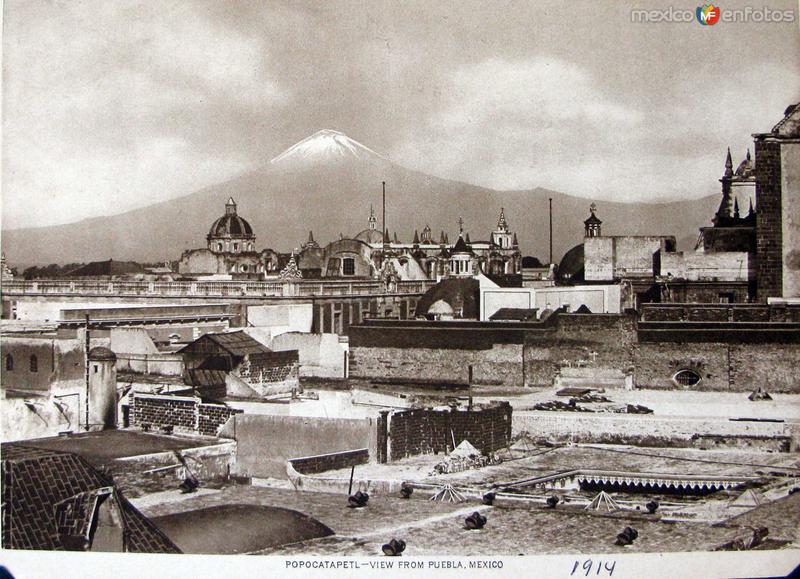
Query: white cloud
point(105, 102)
point(550, 123)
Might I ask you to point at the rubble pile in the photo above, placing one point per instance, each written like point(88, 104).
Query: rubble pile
point(464, 457)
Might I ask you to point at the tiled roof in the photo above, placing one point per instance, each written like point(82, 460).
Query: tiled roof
point(462, 294)
point(109, 267)
point(235, 343)
point(48, 496)
point(514, 314)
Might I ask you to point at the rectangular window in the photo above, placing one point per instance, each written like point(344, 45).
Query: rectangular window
point(348, 266)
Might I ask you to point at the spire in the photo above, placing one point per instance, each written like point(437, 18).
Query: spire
point(396, 239)
point(442, 238)
point(502, 224)
point(736, 209)
point(373, 221)
point(728, 164)
point(467, 239)
point(724, 210)
point(386, 235)
point(416, 235)
point(752, 211)
point(748, 154)
point(514, 243)
point(230, 207)
point(310, 237)
point(446, 238)
point(460, 225)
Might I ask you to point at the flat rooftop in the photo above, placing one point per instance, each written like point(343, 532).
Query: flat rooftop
point(437, 528)
point(105, 446)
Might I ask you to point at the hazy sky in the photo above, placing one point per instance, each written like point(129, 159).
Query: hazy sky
point(110, 105)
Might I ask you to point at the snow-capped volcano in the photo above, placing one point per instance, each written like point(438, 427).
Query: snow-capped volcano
point(325, 146)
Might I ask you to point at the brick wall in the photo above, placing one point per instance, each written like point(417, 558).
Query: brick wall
point(728, 367)
point(497, 365)
point(605, 340)
point(271, 367)
point(652, 430)
point(769, 236)
point(211, 417)
point(184, 415)
point(330, 461)
point(426, 431)
point(720, 313)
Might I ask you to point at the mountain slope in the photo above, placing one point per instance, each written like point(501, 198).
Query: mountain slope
point(304, 190)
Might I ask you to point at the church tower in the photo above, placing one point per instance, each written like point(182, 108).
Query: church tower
point(501, 236)
point(373, 221)
point(592, 225)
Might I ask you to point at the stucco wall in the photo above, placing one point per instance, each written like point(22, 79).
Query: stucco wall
point(282, 318)
point(694, 266)
point(598, 298)
point(59, 362)
point(265, 443)
point(321, 355)
point(790, 186)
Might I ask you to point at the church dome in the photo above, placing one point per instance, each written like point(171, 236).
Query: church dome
point(230, 224)
point(570, 270)
point(370, 236)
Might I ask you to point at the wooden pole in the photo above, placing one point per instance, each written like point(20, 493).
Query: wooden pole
point(352, 473)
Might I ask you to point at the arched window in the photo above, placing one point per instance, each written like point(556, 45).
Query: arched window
point(686, 378)
point(235, 247)
point(34, 363)
point(219, 247)
point(9, 362)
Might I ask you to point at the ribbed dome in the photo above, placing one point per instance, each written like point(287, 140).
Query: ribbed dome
point(230, 224)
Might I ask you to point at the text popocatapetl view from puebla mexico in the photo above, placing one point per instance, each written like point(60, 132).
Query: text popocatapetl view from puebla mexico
point(400, 279)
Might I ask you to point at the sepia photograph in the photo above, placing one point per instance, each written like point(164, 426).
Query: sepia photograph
point(354, 287)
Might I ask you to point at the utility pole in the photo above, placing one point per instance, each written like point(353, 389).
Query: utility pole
point(551, 229)
point(383, 233)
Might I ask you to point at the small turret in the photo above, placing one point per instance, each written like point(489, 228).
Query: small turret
point(592, 224)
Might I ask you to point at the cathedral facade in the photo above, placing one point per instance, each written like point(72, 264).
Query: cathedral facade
point(372, 254)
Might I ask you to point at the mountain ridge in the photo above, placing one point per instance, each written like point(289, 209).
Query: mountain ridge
point(283, 201)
